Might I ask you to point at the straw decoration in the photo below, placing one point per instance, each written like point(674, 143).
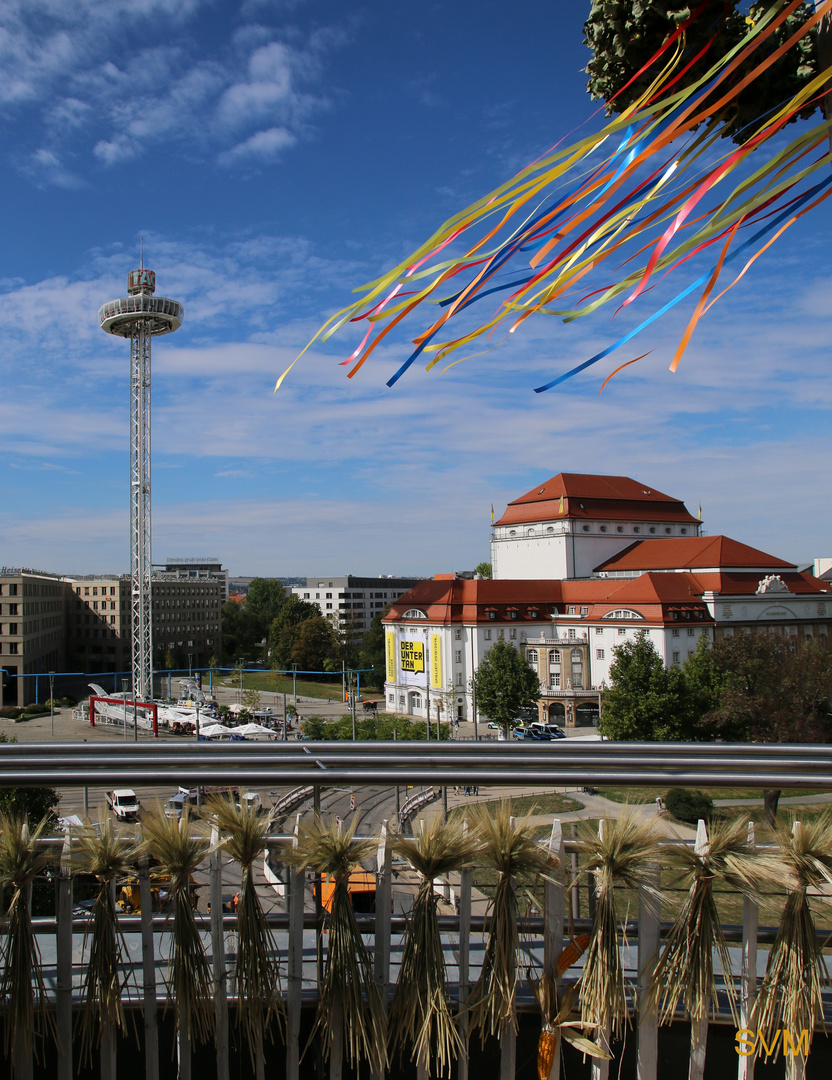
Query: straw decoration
point(260, 1001)
point(510, 848)
point(348, 994)
point(22, 989)
point(179, 850)
point(789, 999)
point(420, 1012)
point(108, 853)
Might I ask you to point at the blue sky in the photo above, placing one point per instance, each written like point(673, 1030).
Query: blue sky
point(274, 156)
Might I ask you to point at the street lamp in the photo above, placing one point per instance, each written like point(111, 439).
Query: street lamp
point(124, 695)
point(52, 700)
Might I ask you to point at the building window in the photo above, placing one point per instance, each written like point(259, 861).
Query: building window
point(13, 648)
point(13, 609)
point(675, 658)
point(459, 678)
point(586, 528)
point(619, 528)
point(571, 634)
point(668, 530)
point(554, 656)
point(691, 631)
point(622, 630)
point(12, 627)
point(584, 610)
point(531, 656)
point(571, 611)
point(636, 529)
point(652, 528)
point(675, 631)
point(599, 631)
point(554, 680)
point(487, 635)
point(603, 528)
point(512, 633)
point(458, 634)
point(94, 591)
point(329, 596)
point(458, 656)
point(306, 596)
point(329, 607)
point(599, 654)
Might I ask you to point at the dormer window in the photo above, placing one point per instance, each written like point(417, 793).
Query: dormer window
point(603, 528)
point(619, 528)
point(636, 529)
point(586, 528)
point(414, 613)
point(652, 528)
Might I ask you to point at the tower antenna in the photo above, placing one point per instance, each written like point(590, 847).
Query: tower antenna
point(140, 316)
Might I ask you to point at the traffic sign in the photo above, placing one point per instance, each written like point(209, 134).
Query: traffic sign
point(352, 801)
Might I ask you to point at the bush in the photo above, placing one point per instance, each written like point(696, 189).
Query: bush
point(690, 806)
point(10, 712)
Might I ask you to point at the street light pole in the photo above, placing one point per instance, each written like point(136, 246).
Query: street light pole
point(124, 695)
point(295, 685)
point(241, 661)
point(52, 700)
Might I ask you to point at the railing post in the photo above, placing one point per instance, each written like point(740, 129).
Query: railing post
point(381, 954)
point(699, 1031)
point(649, 937)
point(600, 1067)
point(151, 1037)
point(465, 885)
point(294, 976)
point(218, 956)
point(63, 947)
point(508, 1040)
point(553, 911)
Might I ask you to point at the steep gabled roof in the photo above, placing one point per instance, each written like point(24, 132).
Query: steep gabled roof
point(692, 553)
point(587, 496)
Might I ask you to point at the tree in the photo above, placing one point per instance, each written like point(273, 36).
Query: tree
point(283, 630)
point(373, 652)
point(34, 803)
point(314, 643)
point(644, 701)
point(625, 34)
point(238, 636)
point(504, 683)
point(483, 569)
point(264, 599)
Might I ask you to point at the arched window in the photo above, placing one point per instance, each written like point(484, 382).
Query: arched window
point(554, 656)
point(531, 656)
point(414, 613)
point(576, 656)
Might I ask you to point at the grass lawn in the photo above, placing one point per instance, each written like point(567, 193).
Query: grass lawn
point(648, 794)
point(536, 804)
point(282, 684)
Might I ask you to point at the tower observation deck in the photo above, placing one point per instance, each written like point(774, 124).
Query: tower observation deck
point(140, 316)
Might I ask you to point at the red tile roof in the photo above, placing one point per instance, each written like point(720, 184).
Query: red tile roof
point(693, 552)
point(590, 497)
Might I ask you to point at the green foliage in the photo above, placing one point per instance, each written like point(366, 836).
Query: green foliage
point(284, 629)
point(372, 652)
point(383, 728)
point(504, 683)
point(264, 599)
point(315, 642)
point(34, 804)
point(624, 34)
point(645, 701)
point(483, 569)
point(689, 806)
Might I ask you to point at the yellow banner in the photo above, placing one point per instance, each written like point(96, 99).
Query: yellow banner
point(390, 641)
point(412, 656)
point(436, 661)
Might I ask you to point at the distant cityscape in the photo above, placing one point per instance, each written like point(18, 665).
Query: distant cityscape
point(580, 564)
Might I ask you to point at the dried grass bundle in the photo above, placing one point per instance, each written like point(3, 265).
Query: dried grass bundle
point(420, 1013)
point(620, 854)
point(22, 988)
point(790, 996)
point(348, 993)
point(108, 853)
point(685, 969)
point(179, 849)
point(509, 847)
point(257, 968)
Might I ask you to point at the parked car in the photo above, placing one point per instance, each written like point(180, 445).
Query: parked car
point(551, 729)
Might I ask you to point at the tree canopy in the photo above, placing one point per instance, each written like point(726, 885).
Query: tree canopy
point(504, 683)
point(624, 35)
point(645, 701)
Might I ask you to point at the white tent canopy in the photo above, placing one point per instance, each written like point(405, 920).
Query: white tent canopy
point(215, 731)
point(250, 731)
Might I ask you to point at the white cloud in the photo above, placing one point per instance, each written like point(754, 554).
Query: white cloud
point(263, 145)
point(90, 85)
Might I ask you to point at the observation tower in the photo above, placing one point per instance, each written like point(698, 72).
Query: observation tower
point(140, 316)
